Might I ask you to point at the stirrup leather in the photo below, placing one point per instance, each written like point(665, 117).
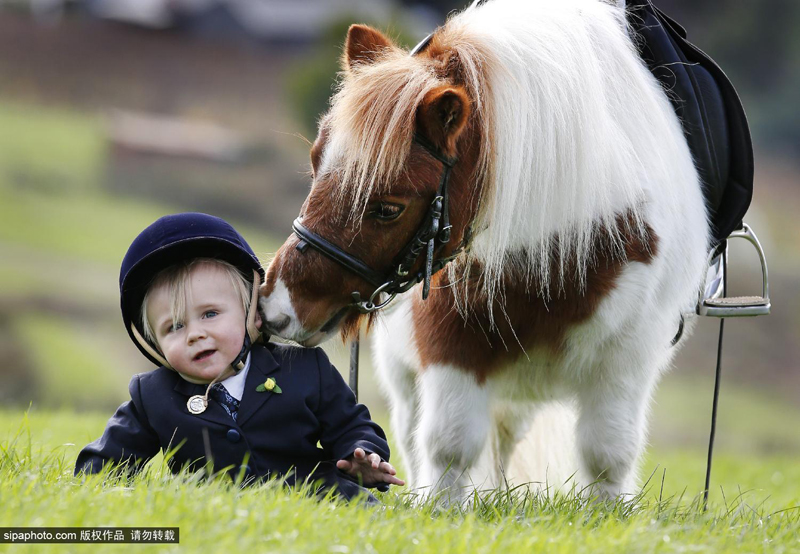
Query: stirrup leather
point(713, 302)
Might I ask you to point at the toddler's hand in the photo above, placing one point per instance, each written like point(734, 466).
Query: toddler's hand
point(370, 467)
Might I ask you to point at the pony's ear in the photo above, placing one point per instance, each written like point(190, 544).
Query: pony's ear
point(442, 115)
point(363, 46)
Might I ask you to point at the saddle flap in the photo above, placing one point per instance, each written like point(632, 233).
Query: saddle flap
point(710, 112)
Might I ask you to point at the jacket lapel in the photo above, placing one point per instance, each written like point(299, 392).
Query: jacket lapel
point(262, 365)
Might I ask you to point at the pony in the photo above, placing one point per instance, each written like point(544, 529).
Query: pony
point(576, 237)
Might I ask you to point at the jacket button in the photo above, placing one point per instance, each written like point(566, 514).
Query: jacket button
point(233, 435)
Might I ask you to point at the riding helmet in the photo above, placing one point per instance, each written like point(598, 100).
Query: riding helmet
point(169, 240)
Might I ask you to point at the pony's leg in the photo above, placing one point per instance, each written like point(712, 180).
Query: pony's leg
point(509, 423)
point(398, 384)
point(545, 458)
point(454, 426)
point(512, 421)
point(612, 426)
point(397, 378)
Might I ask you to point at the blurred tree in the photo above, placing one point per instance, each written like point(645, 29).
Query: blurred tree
point(311, 85)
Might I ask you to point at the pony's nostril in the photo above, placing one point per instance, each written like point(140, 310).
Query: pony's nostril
point(279, 324)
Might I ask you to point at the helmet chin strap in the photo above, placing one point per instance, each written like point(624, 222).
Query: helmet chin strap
point(149, 349)
point(251, 336)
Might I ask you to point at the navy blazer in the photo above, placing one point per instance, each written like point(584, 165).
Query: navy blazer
point(311, 424)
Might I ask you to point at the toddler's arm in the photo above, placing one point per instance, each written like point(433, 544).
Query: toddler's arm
point(128, 437)
point(346, 426)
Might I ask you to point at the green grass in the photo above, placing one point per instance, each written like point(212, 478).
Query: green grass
point(52, 164)
point(37, 488)
point(770, 479)
point(53, 149)
point(749, 420)
point(94, 227)
point(51, 198)
point(74, 365)
point(62, 238)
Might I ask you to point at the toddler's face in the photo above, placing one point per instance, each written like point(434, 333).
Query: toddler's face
point(212, 335)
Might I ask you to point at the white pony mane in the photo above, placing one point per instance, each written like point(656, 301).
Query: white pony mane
point(572, 126)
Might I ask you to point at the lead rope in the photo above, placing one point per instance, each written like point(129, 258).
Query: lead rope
point(354, 352)
point(716, 383)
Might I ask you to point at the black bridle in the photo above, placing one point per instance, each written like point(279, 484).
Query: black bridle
point(432, 234)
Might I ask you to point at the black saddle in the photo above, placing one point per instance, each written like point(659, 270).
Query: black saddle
point(709, 109)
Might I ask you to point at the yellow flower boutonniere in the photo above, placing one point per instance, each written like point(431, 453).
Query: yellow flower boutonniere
point(269, 386)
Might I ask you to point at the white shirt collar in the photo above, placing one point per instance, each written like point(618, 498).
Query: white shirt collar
point(235, 383)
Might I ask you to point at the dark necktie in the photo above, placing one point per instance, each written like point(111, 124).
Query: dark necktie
point(228, 402)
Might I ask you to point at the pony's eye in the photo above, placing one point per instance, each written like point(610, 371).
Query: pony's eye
point(384, 211)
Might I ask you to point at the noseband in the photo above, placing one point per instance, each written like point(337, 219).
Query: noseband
point(432, 234)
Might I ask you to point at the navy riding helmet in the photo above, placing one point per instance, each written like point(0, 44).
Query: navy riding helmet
point(172, 239)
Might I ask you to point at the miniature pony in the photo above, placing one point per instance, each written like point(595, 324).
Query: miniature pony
point(578, 234)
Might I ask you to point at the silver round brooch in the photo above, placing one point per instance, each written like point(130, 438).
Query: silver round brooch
point(197, 404)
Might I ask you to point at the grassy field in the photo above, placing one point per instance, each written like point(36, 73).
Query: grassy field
point(759, 511)
point(62, 236)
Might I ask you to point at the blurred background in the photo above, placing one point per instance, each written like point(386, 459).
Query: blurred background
point(115, 112)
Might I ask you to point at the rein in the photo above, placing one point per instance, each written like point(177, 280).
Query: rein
point(432, 234)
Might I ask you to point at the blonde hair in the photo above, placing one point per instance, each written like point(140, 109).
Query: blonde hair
point(175, 278)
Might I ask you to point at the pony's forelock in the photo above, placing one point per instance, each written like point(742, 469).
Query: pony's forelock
point(371, 122)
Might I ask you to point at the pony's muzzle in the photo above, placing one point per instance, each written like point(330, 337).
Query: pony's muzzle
point(275, 326)
point(277, 313)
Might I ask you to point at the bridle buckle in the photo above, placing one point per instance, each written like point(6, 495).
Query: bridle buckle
point(369, 306)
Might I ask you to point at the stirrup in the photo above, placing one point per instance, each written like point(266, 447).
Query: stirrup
point(714, 303)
